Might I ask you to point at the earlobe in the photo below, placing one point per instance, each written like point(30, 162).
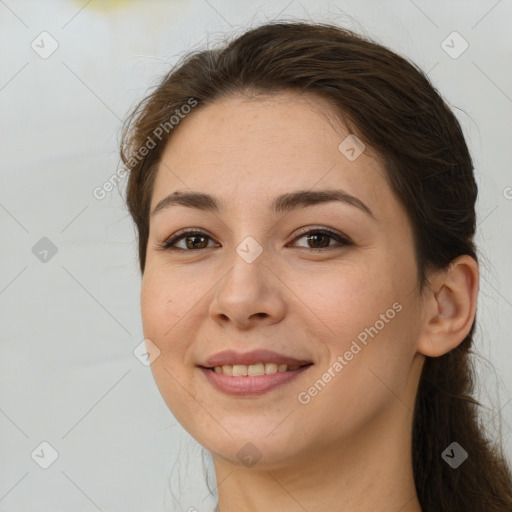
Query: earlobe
point(449, 307)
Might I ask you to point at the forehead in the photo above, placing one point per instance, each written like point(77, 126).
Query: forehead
point(250, 150)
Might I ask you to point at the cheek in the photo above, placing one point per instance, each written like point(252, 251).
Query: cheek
point(344, 301)
point(367, 370)
point(367, 315)
point(164, 305)
point(166, 297)
point(156, 304)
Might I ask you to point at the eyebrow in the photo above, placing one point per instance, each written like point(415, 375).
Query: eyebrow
point(281, 204)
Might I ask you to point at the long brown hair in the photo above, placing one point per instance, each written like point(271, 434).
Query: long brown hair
point(391, 106)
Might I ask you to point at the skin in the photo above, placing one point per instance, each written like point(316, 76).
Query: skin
point(348, 448)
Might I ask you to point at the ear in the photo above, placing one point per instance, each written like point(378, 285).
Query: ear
point(449, 306)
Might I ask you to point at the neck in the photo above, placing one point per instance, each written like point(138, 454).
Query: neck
point(370, 471)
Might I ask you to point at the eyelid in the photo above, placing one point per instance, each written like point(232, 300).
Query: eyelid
point(180, 234)
point(340, 237)
point(322, 229)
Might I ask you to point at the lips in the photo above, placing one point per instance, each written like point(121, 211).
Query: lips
point(231, 358)
point(248, 386)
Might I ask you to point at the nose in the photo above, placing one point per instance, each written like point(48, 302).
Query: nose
point(250, 294)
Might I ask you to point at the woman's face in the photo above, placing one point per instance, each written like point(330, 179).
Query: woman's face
point(251, 280)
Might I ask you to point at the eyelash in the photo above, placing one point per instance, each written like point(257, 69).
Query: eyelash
point(180, 235)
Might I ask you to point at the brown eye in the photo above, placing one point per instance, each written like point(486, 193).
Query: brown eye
point(319, 239)
point(192, 240)
point(196, 242)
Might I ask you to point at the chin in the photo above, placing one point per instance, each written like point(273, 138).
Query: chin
point(258, 450)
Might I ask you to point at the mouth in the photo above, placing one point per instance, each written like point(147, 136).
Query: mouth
point(254, 370)
point(251, 380)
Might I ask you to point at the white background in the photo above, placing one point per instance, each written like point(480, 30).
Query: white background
point(68, 375)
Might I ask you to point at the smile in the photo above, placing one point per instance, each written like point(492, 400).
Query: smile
point(255, 379)
point(253, 370)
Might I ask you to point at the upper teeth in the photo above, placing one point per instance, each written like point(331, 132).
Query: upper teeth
point(239, 370)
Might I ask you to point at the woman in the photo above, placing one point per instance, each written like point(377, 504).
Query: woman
point(305, 205)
